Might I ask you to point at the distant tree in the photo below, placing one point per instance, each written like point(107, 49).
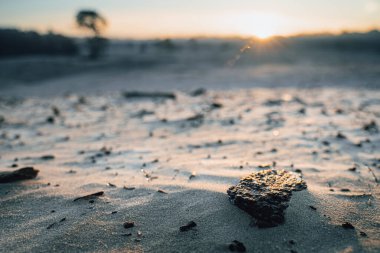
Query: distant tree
point(94, 22)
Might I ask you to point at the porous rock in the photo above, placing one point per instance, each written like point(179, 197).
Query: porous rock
point(265, 195)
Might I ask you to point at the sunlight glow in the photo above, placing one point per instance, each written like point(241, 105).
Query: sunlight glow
point(261, 25)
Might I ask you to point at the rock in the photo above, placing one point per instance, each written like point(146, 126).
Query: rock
point(347, 225)
point(142, 113)
point(371, 127)
point(216, 105)
point(47, 157)
point(187, 227)
point(196, 117)
point(340, 136)
point(198, 92)
point(152, 95)
point(237, 246)
point(273, 102)
point(17, 175)
point(193, 175)
point(129, 224)
point(56, 111)
point(50, 120)
point(265, 195)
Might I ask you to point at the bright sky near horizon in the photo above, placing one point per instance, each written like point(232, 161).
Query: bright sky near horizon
point(179, 18)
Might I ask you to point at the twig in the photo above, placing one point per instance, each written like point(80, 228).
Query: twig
point(373, 174)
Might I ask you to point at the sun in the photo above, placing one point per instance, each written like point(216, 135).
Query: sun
point(259, 24)
point(264, 34)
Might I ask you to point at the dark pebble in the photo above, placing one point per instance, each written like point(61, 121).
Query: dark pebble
point(302, 111)
point(129, 224)
point(187, 227)
point(341, 136)
point(17, 175)
point(47, 157)
point(50, 120)
point(347, 225)
point(237, 246)
point(313, 207)
point(216, 105)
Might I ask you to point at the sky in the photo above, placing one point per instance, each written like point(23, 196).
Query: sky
point(189, 18)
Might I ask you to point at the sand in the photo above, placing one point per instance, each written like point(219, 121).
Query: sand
point(107, 142)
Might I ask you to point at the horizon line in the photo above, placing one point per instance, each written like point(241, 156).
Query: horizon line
point(204, 36)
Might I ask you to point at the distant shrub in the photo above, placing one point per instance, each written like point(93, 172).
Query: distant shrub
point(166, 44)
point(14, 42)
point(346, 42)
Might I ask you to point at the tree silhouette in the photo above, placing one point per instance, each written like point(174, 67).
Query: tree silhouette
point(94, 22)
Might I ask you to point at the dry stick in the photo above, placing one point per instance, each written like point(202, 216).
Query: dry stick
point(90, 196)
point(373, 174)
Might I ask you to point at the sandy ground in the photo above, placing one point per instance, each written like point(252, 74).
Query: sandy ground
point(107, 142)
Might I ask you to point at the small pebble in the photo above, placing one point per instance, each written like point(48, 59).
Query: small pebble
point(347, 225)
point(187, 227)
point(128, 224)
point(237, 246)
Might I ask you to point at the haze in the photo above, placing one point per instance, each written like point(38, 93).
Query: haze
point(178, 18)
